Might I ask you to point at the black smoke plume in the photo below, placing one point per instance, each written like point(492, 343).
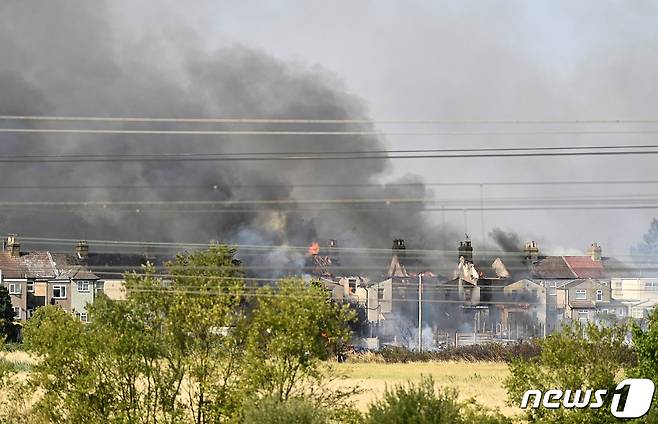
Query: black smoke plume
point(71, 59)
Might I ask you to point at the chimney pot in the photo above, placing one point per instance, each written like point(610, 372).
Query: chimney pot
point(82, 249)
point(595, 252)
point(466, 251)
point(531, 252)
point(12, 245)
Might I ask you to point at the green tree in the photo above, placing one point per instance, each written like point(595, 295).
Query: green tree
point(9, 330)
point(579, 357)
point(66, 374)
point(292, 330)
point(185, 347)
point(646, 348)
point(164, 355)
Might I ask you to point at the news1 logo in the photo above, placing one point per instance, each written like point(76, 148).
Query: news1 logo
point(638, 391)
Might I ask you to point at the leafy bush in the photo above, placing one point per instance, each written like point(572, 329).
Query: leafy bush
point(416, 403)
point(271, 410)
point(421, 403)
point(578, 357)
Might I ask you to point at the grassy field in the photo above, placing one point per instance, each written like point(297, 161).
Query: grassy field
point(480, 380)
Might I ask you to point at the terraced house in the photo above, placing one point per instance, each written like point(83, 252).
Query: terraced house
point(37, 278)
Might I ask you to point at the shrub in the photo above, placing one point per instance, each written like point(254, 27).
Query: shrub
point(578, 357)
point(271, 410)
point(416, 403)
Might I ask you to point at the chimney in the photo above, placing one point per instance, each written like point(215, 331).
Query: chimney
point(398, 244)
point(531, 252)
point(82, 249)
point(466, 251)
point(398, 247)
point(13, 246)
point(595, 252)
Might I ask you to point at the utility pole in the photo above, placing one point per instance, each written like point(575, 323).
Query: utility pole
point(420, 312)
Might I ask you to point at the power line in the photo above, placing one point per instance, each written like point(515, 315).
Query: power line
point(322, 133)
point(328, 185)
point(420, 154)
point(609, 200)
point(252, 120)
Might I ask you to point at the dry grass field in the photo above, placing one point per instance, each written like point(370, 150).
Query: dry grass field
point(480, 380)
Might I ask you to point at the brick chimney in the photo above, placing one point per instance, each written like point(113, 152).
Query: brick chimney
point(466, 251)
point(82, 249)
point(531, 252)
point(398, 247)
point(595, 252)
point(13, 246)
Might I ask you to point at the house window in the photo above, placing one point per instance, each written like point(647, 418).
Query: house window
point(583, 315)
point(30, 286)
point(17, 312)
point(651, 285)
point(59, 292)
point(82, 316)
point(14, 288)
point(599, 295)
point(581, 295)
point(83, 286)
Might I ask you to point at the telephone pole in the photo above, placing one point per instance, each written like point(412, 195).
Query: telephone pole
point(420, 312)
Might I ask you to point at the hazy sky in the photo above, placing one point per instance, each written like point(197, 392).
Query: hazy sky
point(463, 60)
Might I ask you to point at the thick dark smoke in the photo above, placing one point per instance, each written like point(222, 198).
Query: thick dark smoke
point(506, 241)
point(69, 58)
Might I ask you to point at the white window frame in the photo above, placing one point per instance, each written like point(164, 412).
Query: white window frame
point(17, 312)
point(581, 292)
point(83, 317)
point(14, 288)
point(60, 287)
point(30, 286)
point(80, 283)
point(599, 295)
point(583, 314)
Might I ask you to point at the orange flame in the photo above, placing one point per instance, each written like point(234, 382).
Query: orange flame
point(314, 248)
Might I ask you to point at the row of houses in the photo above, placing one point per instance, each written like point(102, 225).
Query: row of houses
point(515, 295)
point(70, 280)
